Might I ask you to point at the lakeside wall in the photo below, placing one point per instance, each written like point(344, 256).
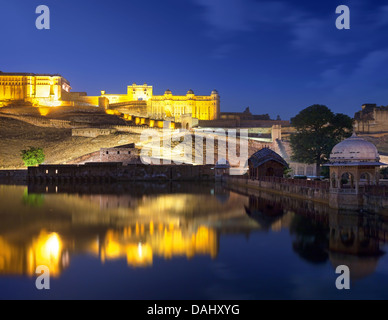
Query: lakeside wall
point(372, 198)
point(302, 189)
point(13, 176)
point(114, 171)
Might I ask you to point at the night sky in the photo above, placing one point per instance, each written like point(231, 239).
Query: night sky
point(276, 57)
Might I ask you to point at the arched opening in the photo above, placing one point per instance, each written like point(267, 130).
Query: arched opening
point(347, 237)
point(347, 181)
point(365, 178)
point(187, 126)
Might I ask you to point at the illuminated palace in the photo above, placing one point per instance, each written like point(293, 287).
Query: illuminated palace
point(141, 100)
point(39, 89)
point(54, 90)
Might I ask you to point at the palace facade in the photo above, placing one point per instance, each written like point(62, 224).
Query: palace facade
point(52, 90)
point(39, 89)
point(140, 100)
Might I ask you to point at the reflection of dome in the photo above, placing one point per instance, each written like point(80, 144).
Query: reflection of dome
point(190, 92)
point(168, 91)
point(360, 267)
point(222, 164)
point(354, 149)
point(222, 197)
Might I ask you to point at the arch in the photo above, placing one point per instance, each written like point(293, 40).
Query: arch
point(347, 181)
point(347, 237)
point(365, 178)
point(187, 126)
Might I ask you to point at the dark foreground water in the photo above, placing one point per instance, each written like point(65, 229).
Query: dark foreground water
point(185, 241)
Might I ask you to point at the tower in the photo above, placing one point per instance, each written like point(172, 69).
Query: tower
point(215, 109)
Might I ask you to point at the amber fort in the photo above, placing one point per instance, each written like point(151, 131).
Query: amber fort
point(53, 90)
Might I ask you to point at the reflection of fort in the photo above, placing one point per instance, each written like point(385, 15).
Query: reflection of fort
point(45, 249)
point(130, 226)
point(143, 223)
point(139, 246)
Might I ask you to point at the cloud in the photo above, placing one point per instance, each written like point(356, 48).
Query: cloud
point(368, 78)
point(230, 17)
point(309, 31)
point(242, 15)
point(320, 35)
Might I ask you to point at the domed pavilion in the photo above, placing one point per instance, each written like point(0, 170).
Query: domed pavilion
point(354, 163)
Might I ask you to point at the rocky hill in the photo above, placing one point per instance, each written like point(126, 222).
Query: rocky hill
point(58, 144)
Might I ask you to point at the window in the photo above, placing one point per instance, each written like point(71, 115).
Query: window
point(56, 171)
point(118, 152)
point(129, 152)
point(107, 152)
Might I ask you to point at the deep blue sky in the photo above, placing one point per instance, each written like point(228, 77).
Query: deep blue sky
point(277, 57)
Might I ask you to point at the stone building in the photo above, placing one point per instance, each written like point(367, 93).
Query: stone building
point(126, 154)
point(53, 90)
point(140, 100)
point(266, 163)
point(371, 119)
point(42, 89)
point(354, 163)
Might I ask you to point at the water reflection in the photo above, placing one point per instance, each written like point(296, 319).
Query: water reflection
point(136, 223)
point(44, 249)
point(142, 222)
point(321, 234)
point(140, 245)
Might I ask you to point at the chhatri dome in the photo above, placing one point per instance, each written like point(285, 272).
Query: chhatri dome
point(355, 150)
point(222, 164)
point(190, 92)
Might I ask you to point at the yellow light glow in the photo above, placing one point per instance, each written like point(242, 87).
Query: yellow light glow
point(171, 242)
point(46, 250)
point(44, 111)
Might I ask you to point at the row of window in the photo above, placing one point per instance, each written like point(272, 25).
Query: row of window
point(118, 152)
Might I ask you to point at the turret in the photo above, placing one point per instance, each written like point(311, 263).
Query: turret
point(216, 105)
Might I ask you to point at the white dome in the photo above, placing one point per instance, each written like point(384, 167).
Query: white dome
point(354, 149)
point(222, 163)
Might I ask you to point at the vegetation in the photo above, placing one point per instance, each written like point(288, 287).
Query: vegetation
point(33, 200)
point(33, 156)
point(318, 131)
point(384, 172)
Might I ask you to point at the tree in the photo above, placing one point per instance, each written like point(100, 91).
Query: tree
point(33, 156)
point(318, 131)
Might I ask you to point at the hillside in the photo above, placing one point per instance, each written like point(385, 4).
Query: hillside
point(58, 144)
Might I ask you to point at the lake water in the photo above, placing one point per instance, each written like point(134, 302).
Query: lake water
point(183, 241)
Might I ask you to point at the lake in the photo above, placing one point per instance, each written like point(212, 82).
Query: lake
point(184, 241)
